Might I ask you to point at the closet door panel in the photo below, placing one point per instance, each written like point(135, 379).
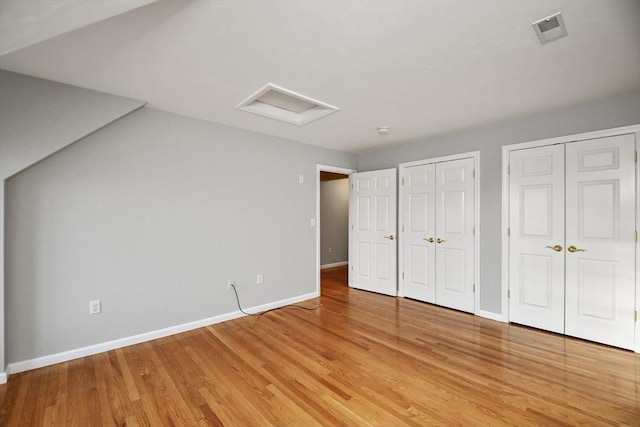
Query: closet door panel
point(419, 233)
point(455, 215)
point(600, 209)
point(536, 244)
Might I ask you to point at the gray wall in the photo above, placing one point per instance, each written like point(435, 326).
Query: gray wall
point(334, 221)
point(152, 215)
point(37, 118)
point(622, 110)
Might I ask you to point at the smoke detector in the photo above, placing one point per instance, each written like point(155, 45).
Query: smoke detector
point(550, 28)
point(286, 105)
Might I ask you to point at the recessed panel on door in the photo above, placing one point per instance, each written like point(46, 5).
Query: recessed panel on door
point(453, 276)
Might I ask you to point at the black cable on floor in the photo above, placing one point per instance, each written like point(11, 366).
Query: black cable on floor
point(272, 309)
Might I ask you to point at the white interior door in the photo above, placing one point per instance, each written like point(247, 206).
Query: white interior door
point(455, 192)
point(600, 232)
point(419, 211)
point(372, 237)
point(536, 243)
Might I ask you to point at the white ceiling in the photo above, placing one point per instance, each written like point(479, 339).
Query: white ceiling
point(420, 67)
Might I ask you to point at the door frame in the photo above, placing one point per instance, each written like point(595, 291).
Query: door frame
point(324, 168)
point(506, 150)
point(402, 170)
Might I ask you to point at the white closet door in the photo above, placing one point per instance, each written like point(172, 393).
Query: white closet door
point(536, 244)
point(455, 192)
point(419, 233)
point(600, 209)
point(372, 242)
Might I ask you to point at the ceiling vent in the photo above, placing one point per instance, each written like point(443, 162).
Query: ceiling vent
point(282, 104)
point(550, 28)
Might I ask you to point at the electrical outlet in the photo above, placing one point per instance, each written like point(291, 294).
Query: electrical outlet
point(330, 249)
point(259, 279)
point(230, 282)
point(95, 306)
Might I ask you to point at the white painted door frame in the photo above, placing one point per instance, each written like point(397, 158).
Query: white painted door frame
point(323, 168)
point(403, 169)
point(506, 150)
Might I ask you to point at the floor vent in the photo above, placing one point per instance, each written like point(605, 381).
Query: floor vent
point(285, 105)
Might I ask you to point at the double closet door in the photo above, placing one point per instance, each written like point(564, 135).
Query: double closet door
point(572, 239)
point(438, 233)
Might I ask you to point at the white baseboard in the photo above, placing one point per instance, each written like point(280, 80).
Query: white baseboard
point(334, 264)
point(65, 356)
point(3, 378)
point(490, 315)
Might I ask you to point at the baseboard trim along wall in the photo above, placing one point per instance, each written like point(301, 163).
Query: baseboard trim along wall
point(39, 362)
point(334, 264)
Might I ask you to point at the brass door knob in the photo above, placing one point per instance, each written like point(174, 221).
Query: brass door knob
point(574, 249)
point(430, 240)
point(556, 248)
point(439, 240)
point(390, 237)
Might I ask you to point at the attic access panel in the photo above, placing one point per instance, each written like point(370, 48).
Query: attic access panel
point(288, 106)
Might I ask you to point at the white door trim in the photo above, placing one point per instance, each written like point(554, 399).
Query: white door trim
point(323, 168)
point(506, 149)
point(402, 167)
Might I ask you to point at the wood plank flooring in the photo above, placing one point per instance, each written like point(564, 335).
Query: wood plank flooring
point(361, 359)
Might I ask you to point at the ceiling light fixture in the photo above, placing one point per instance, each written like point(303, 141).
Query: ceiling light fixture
point(550, 28)
point(383, 130)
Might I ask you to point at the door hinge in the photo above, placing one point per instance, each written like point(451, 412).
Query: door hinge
point(635, 156)
point(352, 226)
point(635, 237)
point(473, 174)
point(474, 231)
point(508, 169)
point(508, 231)
point(403, 274)
point(509, 294)
point(635, 316)
point(474, 288)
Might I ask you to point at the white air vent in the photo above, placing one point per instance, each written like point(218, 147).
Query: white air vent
point(282, 104)
point(550, 28)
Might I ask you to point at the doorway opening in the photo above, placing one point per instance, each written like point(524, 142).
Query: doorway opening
point(332, 249)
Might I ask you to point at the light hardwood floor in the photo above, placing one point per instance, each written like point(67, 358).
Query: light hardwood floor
point(361, 359)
